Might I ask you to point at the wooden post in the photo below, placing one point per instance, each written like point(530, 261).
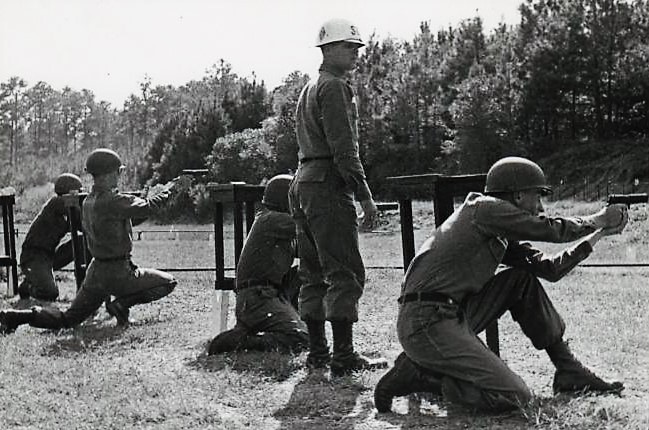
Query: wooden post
point(239, 194)
point(73, 204)
point(9, 259)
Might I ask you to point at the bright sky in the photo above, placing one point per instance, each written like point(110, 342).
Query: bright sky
point(108, 46)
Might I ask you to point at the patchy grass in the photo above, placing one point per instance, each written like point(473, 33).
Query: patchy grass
point(155, 374)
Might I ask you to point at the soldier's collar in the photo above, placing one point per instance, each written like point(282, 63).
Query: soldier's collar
point(337, 72)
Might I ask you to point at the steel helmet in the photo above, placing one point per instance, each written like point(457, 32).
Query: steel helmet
point(515, 174)
point(102, 161)
point(276, 193)
point(67, 182)
point(338, 30)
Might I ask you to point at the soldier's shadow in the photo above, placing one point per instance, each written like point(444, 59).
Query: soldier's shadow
point(275, 365)
point(318, 402)
point(89, 337)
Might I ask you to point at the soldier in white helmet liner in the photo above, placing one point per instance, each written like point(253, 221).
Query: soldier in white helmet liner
point(42, 251)
point(266, 282)
point(329, 177)
point(453, 290)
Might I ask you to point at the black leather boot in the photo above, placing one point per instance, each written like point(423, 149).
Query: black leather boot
point(11, 319)
point(229, 340)
point(345, 360)
point(571, 376)
point(404, 378)
point(119, 311)
point(318, 357)
point(23, 290)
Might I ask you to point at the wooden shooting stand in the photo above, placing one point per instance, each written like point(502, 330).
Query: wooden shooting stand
point(443, 189)
point(243, 198)
point(8, 259)
point(73, 204)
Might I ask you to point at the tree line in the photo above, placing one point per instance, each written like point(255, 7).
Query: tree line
point(572, 72)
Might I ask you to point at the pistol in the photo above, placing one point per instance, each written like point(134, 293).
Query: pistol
point(628, 199)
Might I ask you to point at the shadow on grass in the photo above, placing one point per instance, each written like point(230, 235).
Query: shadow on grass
point(275, 365)
point(88, 337)
point(318, 403)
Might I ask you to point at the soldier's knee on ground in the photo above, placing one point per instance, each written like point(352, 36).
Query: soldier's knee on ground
point(468, 394)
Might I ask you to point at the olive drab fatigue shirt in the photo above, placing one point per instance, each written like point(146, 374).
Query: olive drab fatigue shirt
point(269, 250)
point(329, 134)
point(47, 230)
point(466, 250)
point(106, 221)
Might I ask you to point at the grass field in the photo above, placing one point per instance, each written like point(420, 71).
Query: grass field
point(155, 374)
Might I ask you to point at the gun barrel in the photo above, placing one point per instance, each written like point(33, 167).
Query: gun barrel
point(628, 199)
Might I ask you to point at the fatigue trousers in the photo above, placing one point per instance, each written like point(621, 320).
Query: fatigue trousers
point(441, 338)
point(266, 321)
point(331, 266)
point(38, 267)
point(129, 284)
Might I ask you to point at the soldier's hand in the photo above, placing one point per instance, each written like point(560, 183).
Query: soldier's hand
point(611, 216)
point(368, 217)
point(617, 229)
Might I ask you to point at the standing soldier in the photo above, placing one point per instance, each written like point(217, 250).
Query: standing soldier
point(265, 282)
point(106, 221)
point(453, 290)
point(329, 177)
point(42, 251)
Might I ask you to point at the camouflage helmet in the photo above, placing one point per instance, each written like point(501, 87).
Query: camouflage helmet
point(102, 161)
point(511, 174)
point(276, 193)
point(67, 182)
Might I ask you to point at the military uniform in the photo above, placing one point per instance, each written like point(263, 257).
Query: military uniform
point(42, 250)
point(265, 286)
point(328, 178)
point(454, 290)
point(106, 221)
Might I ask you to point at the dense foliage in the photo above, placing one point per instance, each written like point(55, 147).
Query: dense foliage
point(571, 73)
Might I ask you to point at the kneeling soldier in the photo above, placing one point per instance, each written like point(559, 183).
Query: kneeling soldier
point(106, 221)
point(42, 251)
point(267, 284)
point(453, 290)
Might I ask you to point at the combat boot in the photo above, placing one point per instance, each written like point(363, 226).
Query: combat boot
point(580, 379)
point(119, 311)
point(345, 360)
point(404, 378)
point(23, 290)
point(318, 357)
point(228, 341)
point(571, 376)
point(11, 319)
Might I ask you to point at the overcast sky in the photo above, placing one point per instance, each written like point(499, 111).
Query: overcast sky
point(108, 46)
